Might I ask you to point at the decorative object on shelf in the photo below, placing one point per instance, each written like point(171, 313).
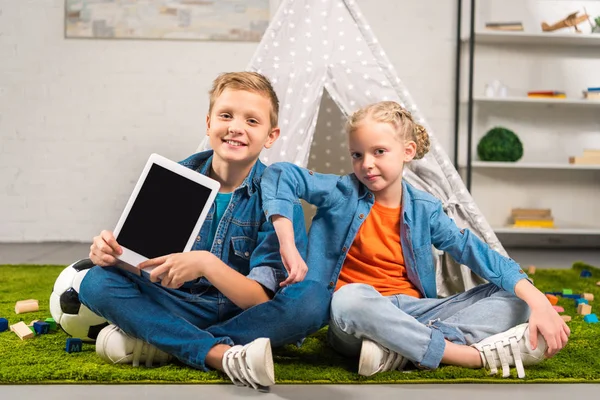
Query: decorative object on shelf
point(572, 20)
point(596, 28)
point(504, 26)
point(590, 157)
point(553, 94)
point(592, 93)
point(500, 144)
point(532, 218)
point(495, 89)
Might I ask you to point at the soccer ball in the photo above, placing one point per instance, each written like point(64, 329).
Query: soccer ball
point(73, 317)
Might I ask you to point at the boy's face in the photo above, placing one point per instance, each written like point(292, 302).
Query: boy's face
point(378, 157)
point(239, 126)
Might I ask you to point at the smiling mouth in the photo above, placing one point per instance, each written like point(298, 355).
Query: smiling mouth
point(234, 143)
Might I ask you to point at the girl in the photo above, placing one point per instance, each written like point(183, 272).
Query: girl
point(371, 239)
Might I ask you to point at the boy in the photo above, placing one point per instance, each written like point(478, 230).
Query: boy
point(234, 265)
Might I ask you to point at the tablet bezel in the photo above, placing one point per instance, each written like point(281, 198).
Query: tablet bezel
point(133, 258)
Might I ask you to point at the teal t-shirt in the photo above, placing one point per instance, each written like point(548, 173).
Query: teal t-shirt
point(221, 203)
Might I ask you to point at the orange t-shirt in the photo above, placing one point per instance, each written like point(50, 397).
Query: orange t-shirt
point(375, 257)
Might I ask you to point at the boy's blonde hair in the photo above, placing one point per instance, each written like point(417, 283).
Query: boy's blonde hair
point(248, 81)
point(402, 121)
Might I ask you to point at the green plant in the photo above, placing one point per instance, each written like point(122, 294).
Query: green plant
point(500, 144)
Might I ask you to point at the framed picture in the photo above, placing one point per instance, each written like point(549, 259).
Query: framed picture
point(221, 20)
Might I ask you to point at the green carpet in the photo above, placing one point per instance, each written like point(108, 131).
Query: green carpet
point(44, 360)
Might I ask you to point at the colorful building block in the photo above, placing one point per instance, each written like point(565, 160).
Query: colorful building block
point(73, 345)
point(588, 296)
point(41, 328)
point(3, 324)
point(580, 301)
point(584, 309)
point(567, 291)
point(598, 283)
point(591, 318)
point(22, 330)
point(531, 270)
point(51, 323)
point(585, 274)
point(552, 299)
point(558, 309)
point(566, 318)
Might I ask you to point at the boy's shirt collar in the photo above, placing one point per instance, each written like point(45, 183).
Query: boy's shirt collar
point(202, 161)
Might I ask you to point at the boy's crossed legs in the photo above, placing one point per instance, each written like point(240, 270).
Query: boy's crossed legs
point(199, 329)
point(452, 330)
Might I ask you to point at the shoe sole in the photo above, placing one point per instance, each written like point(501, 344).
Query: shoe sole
point(263, 372)
point(366, 362)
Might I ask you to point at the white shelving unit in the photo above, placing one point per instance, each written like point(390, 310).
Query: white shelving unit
point(517, 184)
point(544, 38)
point(518, 101)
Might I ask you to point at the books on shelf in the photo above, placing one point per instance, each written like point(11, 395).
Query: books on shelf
point(547, 94)
point(532, 218)
point(504, 26)
point(592, 94)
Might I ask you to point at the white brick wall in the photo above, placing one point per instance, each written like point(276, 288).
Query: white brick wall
point(78, 118)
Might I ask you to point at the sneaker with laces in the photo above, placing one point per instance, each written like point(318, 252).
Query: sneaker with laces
point(510, 348)
point(115, 346)
point(251, 365)
point(375, 358)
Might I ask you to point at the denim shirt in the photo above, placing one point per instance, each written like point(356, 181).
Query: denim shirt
point(344, 203)
point(244, 239)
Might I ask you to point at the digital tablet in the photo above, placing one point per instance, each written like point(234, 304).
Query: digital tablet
point(164, 213)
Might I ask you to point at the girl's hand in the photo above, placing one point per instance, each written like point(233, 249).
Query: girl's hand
point(545, 320)
point(174, 270)
point(293, 263)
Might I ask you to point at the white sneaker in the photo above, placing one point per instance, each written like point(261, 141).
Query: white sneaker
point(375, 358)
point(115, 346)
point(510, 348)
point(251, 365)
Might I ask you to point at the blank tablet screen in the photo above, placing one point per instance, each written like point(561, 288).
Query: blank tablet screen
point(164, 213)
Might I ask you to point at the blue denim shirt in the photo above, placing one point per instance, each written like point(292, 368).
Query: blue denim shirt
point(344, 203)
point(244, 239)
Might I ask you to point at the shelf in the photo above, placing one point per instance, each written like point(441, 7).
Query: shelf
point(546, 38)
point(568, 237)
point(537, 100)
point(527, 165)
point(548, 231)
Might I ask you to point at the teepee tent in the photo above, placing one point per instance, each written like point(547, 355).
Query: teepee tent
point(312, 45)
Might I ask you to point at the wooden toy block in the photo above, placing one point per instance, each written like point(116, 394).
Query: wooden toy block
point(73, 345)
point(531, 270)
point(598, 283)
point(51, 322)
point(567, 291)
point(585, 274)
point(571, 296)
point(588, 296)
point(41, 328)
point(566, 318)
point(3, 324)
point(558, 309)
point(584, 309)
point(591, 318)
point(552, 299)
point(25, 306)
point(22, 330)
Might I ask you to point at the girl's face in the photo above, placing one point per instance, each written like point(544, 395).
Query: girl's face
point(378, 156)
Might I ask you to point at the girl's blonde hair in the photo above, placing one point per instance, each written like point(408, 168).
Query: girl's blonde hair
point(402, 121)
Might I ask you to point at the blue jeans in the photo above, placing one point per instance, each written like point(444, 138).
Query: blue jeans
point(416, 328)
point(188, 323)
